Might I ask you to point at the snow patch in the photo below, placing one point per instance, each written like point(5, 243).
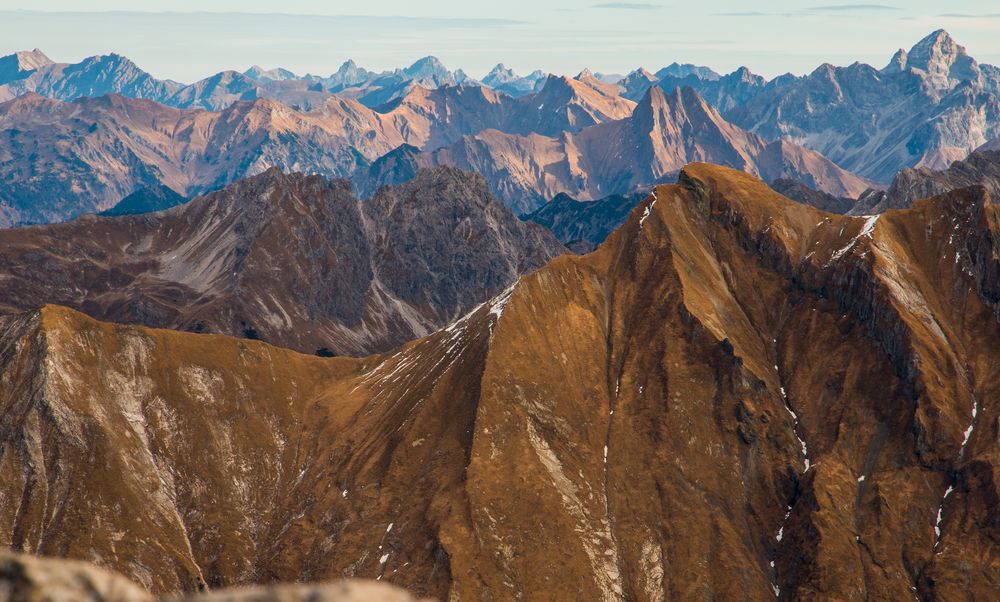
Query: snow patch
point(648, 210)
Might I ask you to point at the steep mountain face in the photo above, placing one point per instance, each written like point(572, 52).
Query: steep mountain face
point(32, 579)
point(735, 397)
point(940, 59)
point(94, 76)
point(146, 200)
point(294, 260)
point(58, 160)
point(396, 167)
point(436, 118)
point(927, 108)
point(583, 225)
point(981, 168)
point(22, 64)
point(568, 105)
point(664, 133)
point(636, 83)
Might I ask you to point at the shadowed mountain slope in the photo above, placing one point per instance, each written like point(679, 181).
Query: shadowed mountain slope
point(583, 225)
point(981, 168)
point(295, 260)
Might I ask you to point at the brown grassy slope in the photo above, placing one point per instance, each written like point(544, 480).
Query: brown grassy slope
point(732, 380)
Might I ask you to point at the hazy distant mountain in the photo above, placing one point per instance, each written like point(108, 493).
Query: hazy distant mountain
point(94, 76)
point(349, 74)
point(276, 75)
point(635, 84)
point(931, 105)
point(22, 64)
point(378, 89)
point(687, 69)
point(564, 104)
point(725, 93)
point(505, 80)
point(928, 107)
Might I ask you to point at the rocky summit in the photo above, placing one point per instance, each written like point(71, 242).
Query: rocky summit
point(734, 397)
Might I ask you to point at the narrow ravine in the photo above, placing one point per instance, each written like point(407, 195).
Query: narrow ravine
point(806, 465)
point(951, 486)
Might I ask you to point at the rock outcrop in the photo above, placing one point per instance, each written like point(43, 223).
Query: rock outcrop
point(33, 579)
point(981, 168)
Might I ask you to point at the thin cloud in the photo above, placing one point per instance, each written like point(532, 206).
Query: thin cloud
point(970, 16)
point(629, 5)
point(388, 20)
point(836, 8)
point(813, 10)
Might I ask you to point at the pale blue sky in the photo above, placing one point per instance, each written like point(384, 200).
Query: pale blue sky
point(189, 39)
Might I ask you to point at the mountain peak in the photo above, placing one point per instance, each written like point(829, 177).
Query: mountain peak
point(499, 75)
point(277, 74)
point(938, 56)
point(687, 69)
point(349, 74)
point(22, 63)
point(33, 59)
point(429, 66)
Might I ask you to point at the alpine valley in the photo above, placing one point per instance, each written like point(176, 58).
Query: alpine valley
point(406, 335)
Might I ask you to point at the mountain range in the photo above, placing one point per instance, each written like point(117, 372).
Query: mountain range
point(60, 159)
point(664, 133)
point(927, 107)
point(531, 136)
point(735, 396)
